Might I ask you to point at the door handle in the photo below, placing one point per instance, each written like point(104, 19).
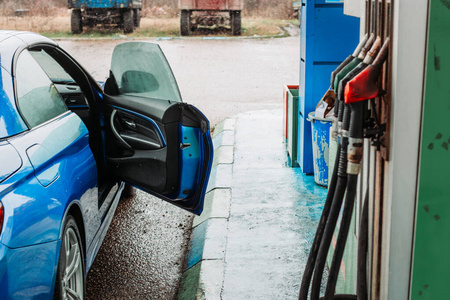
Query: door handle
point(130, 123)
point(116, 134)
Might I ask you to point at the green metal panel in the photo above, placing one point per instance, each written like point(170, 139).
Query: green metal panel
point(431, 261)
point(292, 126)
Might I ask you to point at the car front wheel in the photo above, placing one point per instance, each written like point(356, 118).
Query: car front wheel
point(70, 280)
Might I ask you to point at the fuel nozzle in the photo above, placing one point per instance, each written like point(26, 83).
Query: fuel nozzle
point(367, 46)
point(353, 68)
point(365, 86)
point(353, 63)
point(355, 54)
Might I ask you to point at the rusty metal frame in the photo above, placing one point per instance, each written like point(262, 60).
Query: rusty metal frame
point(379, 20)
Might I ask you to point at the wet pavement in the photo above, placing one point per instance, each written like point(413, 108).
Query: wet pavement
point(143, 252)
point(274, 214)
point(254, 240)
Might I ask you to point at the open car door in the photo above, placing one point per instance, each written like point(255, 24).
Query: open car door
point(154, 141)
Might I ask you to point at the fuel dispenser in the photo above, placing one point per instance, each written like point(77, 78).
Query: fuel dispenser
point(393, 131)
point(351, 115)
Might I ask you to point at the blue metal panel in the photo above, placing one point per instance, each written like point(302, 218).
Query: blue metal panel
point(10, 160)
point(33, 213)
point(337, 45)
point(327, 38)
point(305, 143)
point(105, 3)
point(34, 279)
point(189, 157)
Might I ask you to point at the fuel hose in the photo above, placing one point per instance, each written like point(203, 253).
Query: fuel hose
point(309, 268)
point(355, 144)
point(334, 210)
point(362, 87)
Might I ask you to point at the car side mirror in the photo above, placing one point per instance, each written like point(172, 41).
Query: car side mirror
point(111, 87)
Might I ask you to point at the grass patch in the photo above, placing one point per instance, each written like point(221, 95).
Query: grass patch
point(59, 27)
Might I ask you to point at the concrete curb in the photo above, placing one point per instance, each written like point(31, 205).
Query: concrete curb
point(203, 271)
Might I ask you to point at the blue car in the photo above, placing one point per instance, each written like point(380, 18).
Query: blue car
point(68, 146)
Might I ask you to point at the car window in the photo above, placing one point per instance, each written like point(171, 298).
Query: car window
point(37, 97)
point(53, 69)
point(141, 69)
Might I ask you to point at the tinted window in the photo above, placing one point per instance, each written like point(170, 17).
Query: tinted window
point(37, 97)
point(141, 69)
point(53, 69)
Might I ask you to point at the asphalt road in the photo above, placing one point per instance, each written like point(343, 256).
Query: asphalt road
point(143, 252)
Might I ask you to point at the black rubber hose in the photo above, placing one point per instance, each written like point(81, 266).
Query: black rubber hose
point(363, 246)
point(357, 120)
point(336, 205)
point(342, 237)
point(306, 280)
point(309, 268)
point(356, 135)
point(327, 236)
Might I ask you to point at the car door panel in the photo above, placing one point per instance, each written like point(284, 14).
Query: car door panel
point(146, 167)
point(166, 154)
point(153, 140)
point(136, 131)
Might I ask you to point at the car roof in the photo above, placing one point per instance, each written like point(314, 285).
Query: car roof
point(11, 41)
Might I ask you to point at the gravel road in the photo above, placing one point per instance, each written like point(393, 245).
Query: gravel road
point(143, 252)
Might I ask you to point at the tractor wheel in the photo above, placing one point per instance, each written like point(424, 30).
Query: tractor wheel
point(235, 22)
point(137, 18)
point(76, 21)
point(128, 21)
point(185, 22)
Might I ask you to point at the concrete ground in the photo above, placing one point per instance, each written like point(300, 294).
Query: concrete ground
point(254, 237)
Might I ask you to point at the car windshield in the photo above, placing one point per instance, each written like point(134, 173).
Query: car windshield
point(141, 69)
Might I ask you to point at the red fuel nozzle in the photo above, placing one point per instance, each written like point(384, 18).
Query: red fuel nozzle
point(365, 86)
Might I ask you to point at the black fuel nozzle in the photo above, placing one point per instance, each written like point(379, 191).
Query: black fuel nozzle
point(363, 43)
point(353, 63)
point(363, 86)
point(370, 55)
point(355, 54)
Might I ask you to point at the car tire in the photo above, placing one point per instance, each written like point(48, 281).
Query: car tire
point(185, 22)
point(70, 277)
point(137, 18)
point(128, 21)
point(76, 22)
point(235, 22)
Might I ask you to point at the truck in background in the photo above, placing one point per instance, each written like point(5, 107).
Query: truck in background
point(196, 13)
point(123, 13)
